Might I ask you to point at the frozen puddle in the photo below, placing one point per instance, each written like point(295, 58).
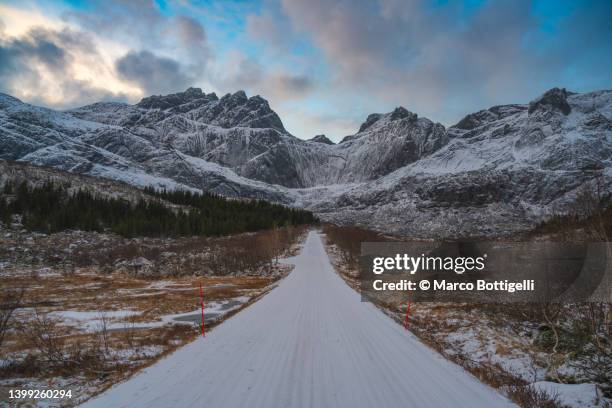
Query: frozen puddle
point(92, 321)
point(212, 312)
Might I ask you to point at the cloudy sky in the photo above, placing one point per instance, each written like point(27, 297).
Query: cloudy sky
point(324, 65)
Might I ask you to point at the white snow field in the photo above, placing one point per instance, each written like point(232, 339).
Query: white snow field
point(310, 342)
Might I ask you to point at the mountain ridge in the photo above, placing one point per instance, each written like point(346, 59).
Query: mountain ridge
point(512, 164)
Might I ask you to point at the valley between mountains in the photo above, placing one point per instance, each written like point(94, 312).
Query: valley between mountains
point(497, 172)
point(103, 275)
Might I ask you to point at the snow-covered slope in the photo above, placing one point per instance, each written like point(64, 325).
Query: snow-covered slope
point(117, 141)
point(497, 171)
point(503, 170)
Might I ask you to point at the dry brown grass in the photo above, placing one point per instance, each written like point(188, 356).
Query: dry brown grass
point(50, 350)
point(43, 348)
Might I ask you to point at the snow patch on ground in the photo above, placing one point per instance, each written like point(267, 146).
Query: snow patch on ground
point(92, 320)
point(573, 395)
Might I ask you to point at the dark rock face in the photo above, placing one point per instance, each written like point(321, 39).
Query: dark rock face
point(497, 171)
point(371, 119)
point(232, 110)
point(483, 117)
point(401, 113)
point(397, 114)
point(553, 100)
point(275, 166)
point(174, 100)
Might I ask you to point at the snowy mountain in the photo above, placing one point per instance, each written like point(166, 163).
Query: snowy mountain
point(321, 139)
point(497, 171)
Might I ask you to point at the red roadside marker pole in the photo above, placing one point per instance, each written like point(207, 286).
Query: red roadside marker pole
point(407, 314)
point(202, 303)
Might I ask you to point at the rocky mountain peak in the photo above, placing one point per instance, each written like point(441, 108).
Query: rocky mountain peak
point(401, 113)
point(257, 102)
point(193, 92)
point(231, 110)
point(239, 110)
point(552, 100)
point(238, 97)
point(257, 99)
point(370, 120)
point(321, 139)
point(398, 113)
point(177, 99)
point(486, 116)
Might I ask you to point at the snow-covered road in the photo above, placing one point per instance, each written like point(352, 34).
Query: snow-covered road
point(310, 342)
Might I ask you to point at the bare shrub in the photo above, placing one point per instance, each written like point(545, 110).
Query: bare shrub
point(55, 351)
point(45, 335)
point(102, 330)
point(348, 241)
point(10, 301)
point(128, 333)
point(247, 253)
point(593, 353)
point(528, 396)
point(590, 205)
point(588, 218)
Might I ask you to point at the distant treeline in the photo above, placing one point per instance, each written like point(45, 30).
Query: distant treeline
point(52, 208)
